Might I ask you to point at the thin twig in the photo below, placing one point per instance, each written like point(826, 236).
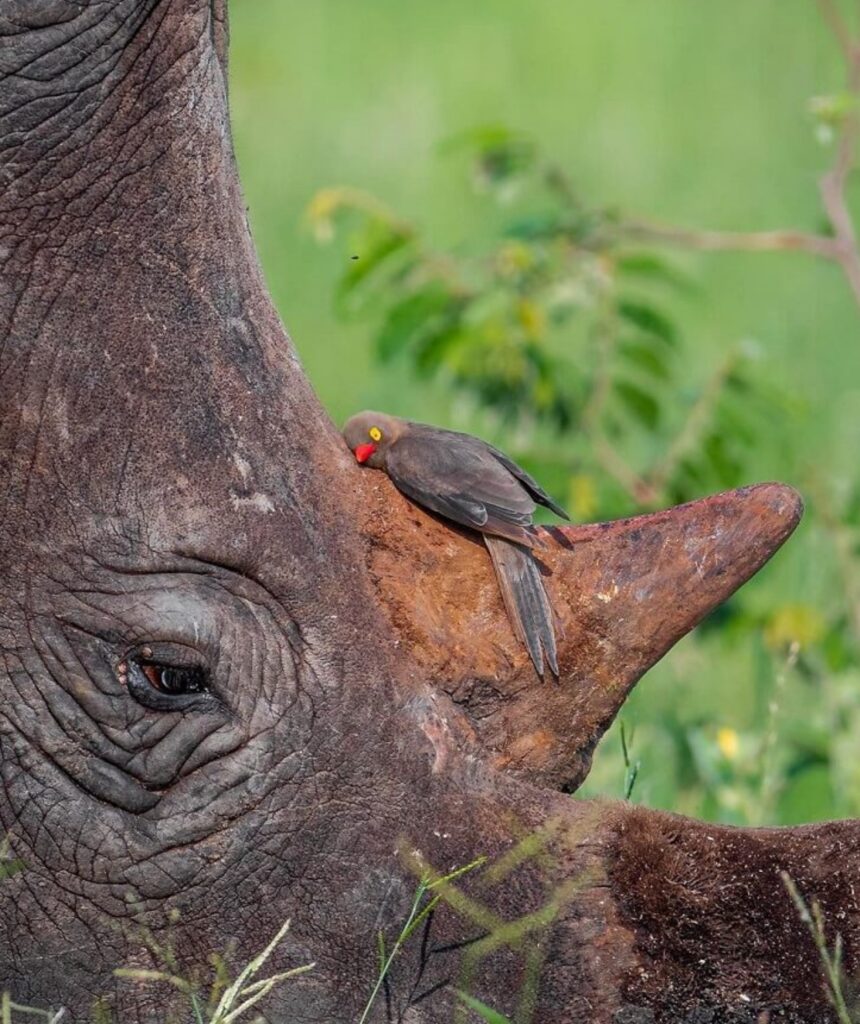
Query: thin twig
point(639, 488)
point(767, 768)
point(733, 241)
point(833, 182)
point(610, 460)
point(842, 248)
point(836, 23)
point(697, 420)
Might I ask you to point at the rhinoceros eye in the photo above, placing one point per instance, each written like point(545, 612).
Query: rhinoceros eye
point(165, 686)
point(173, 679)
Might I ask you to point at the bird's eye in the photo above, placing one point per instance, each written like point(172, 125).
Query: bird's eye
point(375, 434)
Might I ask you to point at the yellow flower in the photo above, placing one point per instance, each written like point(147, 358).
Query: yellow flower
point(728, 742)
point(513, 259)
point(532, 319)
point(794, 623)
point(582, 496)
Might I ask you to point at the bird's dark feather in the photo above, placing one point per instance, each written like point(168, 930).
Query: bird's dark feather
point(530, 484)
point(459, 477)
point(470, 482)
point(526, 601)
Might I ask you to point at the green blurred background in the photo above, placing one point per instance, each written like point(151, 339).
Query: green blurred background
point(687, 113)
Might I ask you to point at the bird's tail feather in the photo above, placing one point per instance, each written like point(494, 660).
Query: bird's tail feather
point(526, 600)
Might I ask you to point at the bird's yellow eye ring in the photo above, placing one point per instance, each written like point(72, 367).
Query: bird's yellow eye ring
point(375, 434)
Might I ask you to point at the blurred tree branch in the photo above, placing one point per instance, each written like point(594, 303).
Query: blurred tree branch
point(841, 246)
point(565, 318)
point(833, 183)
point(732, 241)
point(832, 16)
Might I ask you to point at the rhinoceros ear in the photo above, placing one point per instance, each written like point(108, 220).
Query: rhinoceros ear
point(624, 593)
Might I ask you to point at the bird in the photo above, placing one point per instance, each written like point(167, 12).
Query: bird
point(466, 480)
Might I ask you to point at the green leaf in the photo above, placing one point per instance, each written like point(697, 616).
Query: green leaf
point(733, 420)
point(638, 402)
point(374, 251)
point(836, 646)
point(502, 154)
point(548, 224)
point(833, 109)
point(485, 136)
point(648, 319)
point(808, 797)
point(722, 462)
point(440, 347)
point(485, 1012)
point(851, 513)
point(656, 268)
point(570, 225)
point(689, 481)
point(646, 358)
point(411, 317)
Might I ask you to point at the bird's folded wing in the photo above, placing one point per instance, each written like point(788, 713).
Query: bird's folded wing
point(464, 483)
point(528, 481)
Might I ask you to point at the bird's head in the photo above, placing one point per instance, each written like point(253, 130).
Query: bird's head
point(370, 434)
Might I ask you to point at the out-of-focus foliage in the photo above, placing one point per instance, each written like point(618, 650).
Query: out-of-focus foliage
point(560, 321)
point(720, 116)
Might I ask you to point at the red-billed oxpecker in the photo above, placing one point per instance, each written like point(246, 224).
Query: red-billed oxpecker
point(468, 481)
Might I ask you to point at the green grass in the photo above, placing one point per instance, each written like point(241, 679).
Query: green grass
point(229, 999)
point(831, 958)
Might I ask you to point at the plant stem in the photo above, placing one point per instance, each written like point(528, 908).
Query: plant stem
point(631, 769)
point(696, 422)
point(395, 949)
point(831, 964)
point(832, 17)
point(832, 184)
point(786, 240)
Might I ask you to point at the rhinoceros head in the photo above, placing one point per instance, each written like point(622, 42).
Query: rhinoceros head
point(241, 681)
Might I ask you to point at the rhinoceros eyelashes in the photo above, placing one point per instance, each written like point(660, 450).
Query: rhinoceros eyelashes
point(165, 686)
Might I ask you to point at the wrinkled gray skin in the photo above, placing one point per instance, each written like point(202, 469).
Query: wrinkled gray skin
point(171, 493)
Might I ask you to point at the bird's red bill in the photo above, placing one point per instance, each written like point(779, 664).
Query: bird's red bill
point(364, 451)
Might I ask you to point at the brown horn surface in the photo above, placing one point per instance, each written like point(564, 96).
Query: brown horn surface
point(624, 593)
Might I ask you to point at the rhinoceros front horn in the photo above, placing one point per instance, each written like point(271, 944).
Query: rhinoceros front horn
point(624, 593)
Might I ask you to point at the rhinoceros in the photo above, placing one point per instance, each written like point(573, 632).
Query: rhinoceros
point(243, 682)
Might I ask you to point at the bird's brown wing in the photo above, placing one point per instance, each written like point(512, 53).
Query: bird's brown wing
point(526, 602)
point(528, 481)
point(459, 477)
